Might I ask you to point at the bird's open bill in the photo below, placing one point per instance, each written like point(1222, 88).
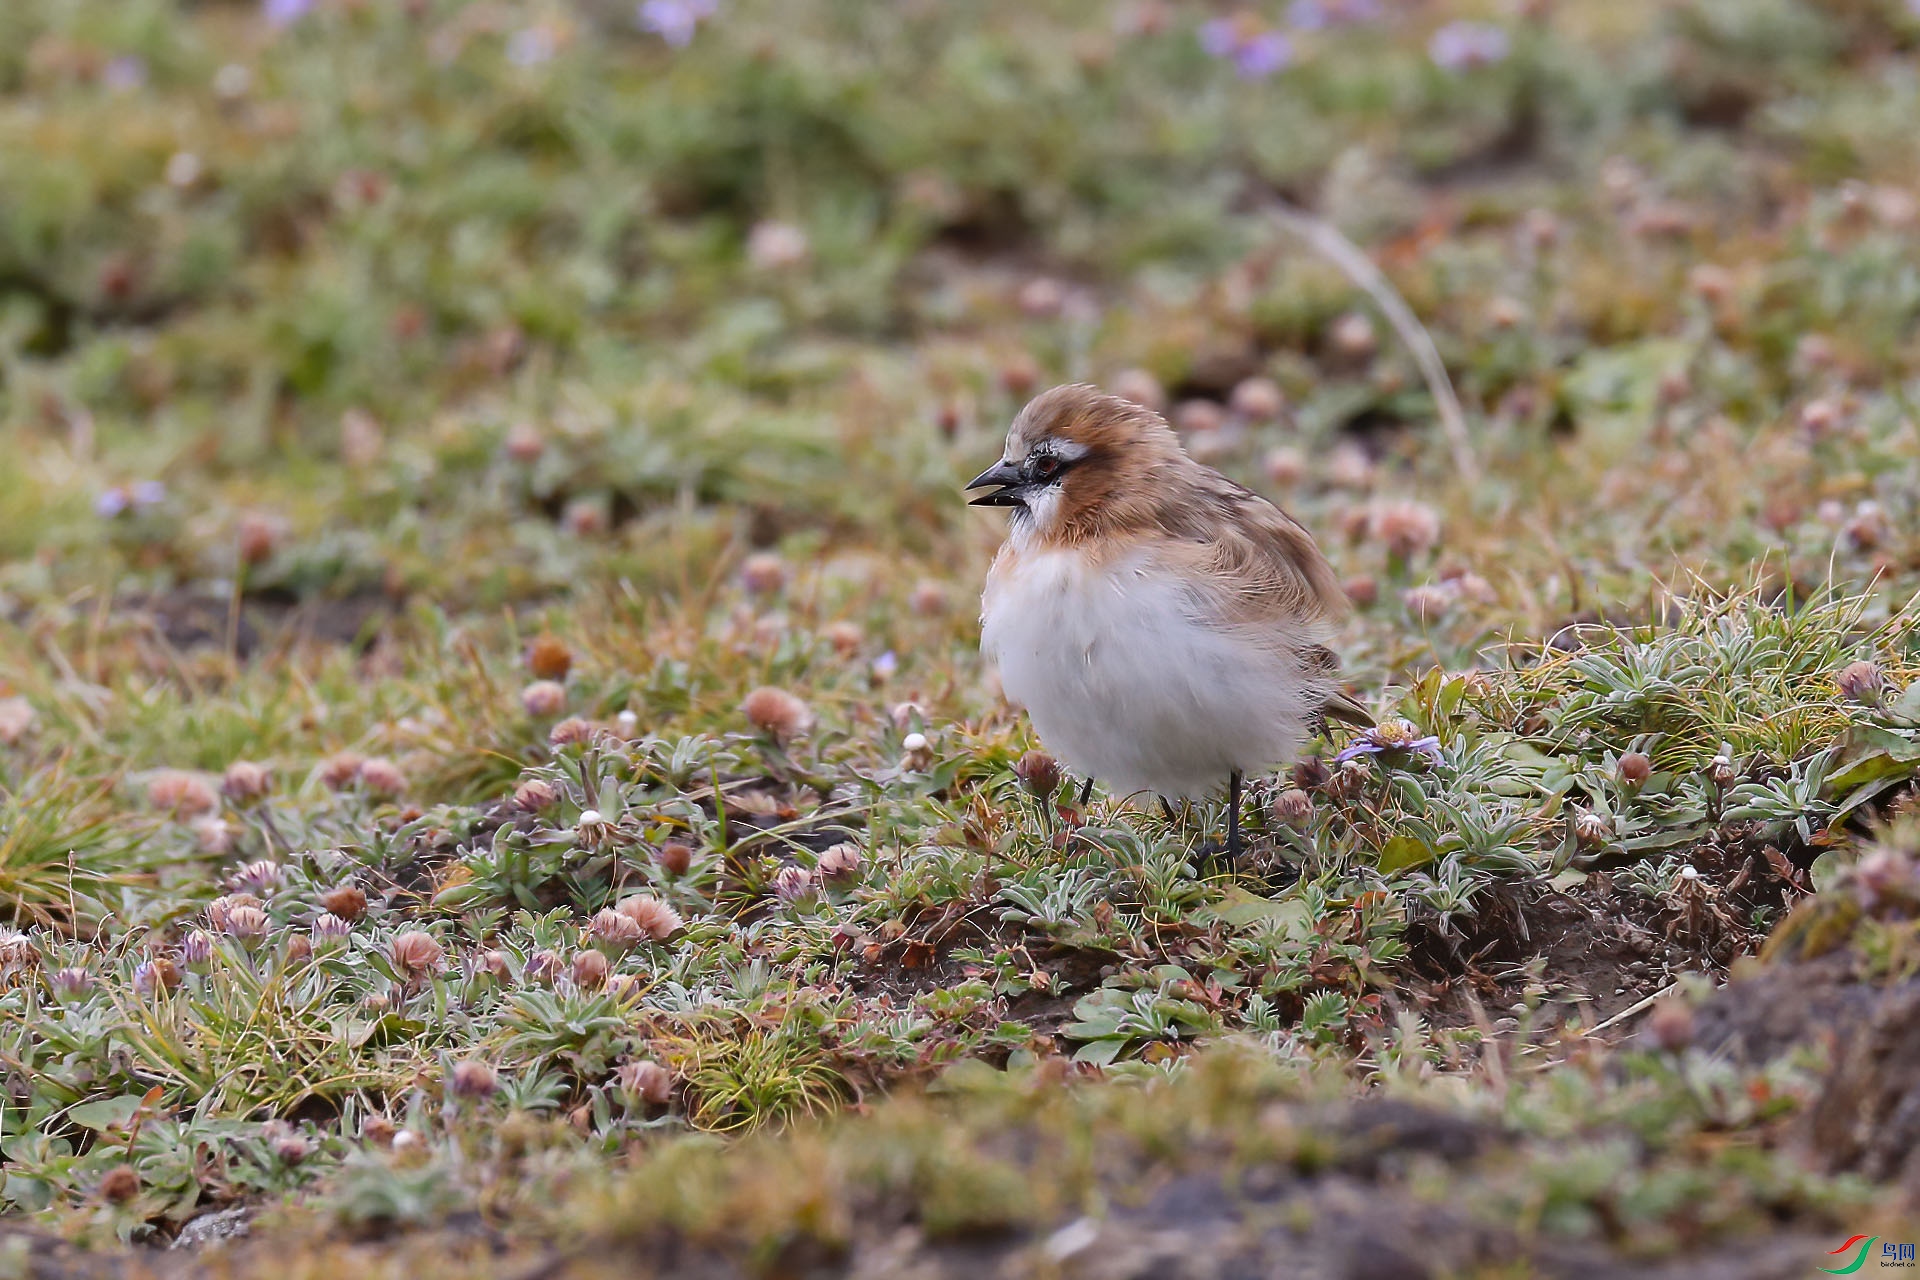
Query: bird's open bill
point(1002, 473)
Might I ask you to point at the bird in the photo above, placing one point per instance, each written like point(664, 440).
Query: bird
point(1165, 628)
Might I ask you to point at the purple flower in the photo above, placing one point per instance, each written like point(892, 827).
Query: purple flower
point(675, 21)
point(530, 46)
point(1396, 736)
point(1462, 46)
point(1261, 55)
point(1220, 37)
point(149, 493)
point(1309, 15)
point(886, 664)
point(1256, 53)
point(111, 503)
point(284, 13)
point(124, 74)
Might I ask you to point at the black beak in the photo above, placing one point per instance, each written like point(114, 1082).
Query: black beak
point(1004, 474)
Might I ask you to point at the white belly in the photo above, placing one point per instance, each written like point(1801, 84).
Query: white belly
point(1127, 684)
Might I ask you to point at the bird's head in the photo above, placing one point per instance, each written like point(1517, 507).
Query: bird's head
point(1078, 459)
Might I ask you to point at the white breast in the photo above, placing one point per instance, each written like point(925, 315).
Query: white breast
point(1129, 682)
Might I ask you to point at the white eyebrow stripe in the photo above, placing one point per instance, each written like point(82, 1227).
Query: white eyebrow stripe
point(1067, 450)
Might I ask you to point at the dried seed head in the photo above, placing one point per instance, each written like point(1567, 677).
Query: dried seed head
point(1862, 682)
point(1019, 374)
point(1352, 336)
point(16, 717)
point(1505, 312)
point(1869, 527)
point(1362, 590)
point(646, 1082)
point(417, 954)
point(1293, 807)
point(1406, 528)
point(196, 951)
point(611, 929)
point(845, 637)
point(1039, 773)
point(495, 964)
point(247, 925)
point(72, 983)
point(624, 986)
point(339, 772)
point(793, 884)
point(1311, 774)
point(674, 857)
point(777, 713)
point(1041, 297)
point(1428, 603)
point(1259, 399)
point(774, 246)
point(545, 967)
point(1819, 417)
point(261, 876)
point(214, 836)
point(1590, 828)
point(929, 598)
point(471, 1080)
point(590, 970)
point(245, 781)
point(534, 795)
point(907, 716)
point(17, 953)
point(299, 949)
point(378, 1130)
point(544, 699)
point(119, 1184)
point(656, 919)
point(1141, 387)
point(525, 443)
point(156, 976)
point(1713, 283)
point(382, 777)
point(347, 901)
point(1349, 467)
point(763, 573)
point(1721, 772)
point(1635, 768)
point(919, 751)
point(1197, 417)
point(1285, 466)
point(290, 1148)
point(330, 932)
point(841, 862)
point(222, 907)
point(182, 794)
point(571, 732)
point(548, 658)
point(593, 826)
point(1670, 1025)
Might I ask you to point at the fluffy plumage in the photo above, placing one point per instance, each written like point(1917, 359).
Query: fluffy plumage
point(1164, 627)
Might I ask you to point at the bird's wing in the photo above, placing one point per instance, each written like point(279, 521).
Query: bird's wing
point(1265, 563)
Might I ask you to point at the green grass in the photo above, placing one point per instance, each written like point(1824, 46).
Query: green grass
point(473, 345)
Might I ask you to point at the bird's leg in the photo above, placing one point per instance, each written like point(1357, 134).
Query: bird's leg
point(1086, 792)
point(1233, 817)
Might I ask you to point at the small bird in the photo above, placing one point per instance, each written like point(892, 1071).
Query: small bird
point(1165, 628)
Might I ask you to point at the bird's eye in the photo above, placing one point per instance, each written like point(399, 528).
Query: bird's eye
point(1045, 467)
